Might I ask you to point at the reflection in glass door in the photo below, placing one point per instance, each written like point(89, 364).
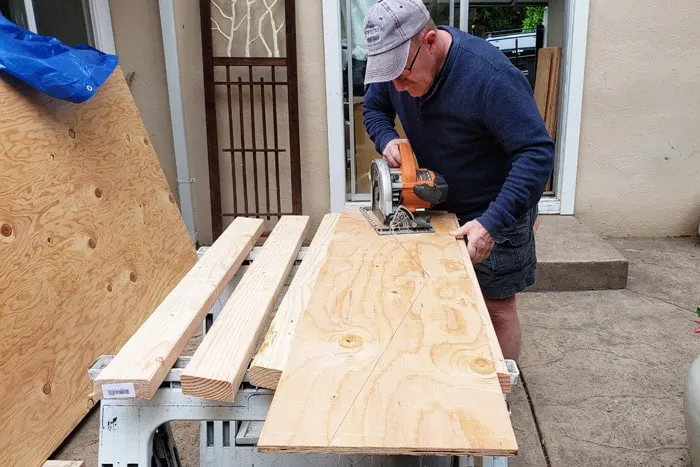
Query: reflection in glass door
point(359, 149)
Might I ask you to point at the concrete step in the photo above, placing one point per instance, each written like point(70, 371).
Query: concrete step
point(570, 256)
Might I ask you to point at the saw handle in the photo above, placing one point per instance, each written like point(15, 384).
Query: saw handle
point(409, 179)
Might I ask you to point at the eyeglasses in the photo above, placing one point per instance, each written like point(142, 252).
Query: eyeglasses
point(407, 70)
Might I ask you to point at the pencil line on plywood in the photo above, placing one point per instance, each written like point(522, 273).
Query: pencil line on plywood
point(415, 260)
point(379, 359)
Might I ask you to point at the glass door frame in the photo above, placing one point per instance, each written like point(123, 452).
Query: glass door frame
point(571, 100)
point(352, 196)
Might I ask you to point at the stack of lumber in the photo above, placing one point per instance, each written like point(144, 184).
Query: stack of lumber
point(218, 366)
point(91, 240)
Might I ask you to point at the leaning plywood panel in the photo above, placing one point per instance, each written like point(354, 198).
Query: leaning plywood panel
point(390, 355)
point(91, 240)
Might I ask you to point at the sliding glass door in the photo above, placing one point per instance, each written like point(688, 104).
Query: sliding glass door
point(359, 150)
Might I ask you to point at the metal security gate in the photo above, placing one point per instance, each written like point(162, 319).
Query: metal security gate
point(251, 99)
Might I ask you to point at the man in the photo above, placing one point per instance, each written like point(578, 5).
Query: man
point(469, 115)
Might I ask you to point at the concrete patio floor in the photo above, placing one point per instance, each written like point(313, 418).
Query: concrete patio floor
point(603, 372)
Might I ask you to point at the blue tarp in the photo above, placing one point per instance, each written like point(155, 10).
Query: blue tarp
point(45, 63)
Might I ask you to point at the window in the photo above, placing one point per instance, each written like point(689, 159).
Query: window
point(67, 20)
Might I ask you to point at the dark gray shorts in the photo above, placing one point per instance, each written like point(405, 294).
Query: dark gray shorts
point(511, 266)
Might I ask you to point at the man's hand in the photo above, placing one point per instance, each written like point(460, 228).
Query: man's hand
point(391, 152)
point(479, 240)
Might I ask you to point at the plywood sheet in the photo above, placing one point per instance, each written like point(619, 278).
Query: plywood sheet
point(91, 240)
point(391, 355)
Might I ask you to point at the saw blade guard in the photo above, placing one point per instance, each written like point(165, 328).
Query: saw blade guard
point(380, 175)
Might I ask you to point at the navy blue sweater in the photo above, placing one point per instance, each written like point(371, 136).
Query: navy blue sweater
point(478, 126)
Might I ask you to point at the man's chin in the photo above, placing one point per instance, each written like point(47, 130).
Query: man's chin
point(415, 92)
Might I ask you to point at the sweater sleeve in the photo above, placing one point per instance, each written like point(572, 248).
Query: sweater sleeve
point(511, 115)
point(378, 116)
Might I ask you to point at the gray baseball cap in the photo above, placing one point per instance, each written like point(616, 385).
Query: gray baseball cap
point(389, 26)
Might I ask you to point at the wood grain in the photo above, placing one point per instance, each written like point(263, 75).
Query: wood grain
point(547, 84)
point(443, 224)
point(546, 92)
point(268, 363)
point(150, 353)
point(390, 355)
point(91, 240)
point(219, 363)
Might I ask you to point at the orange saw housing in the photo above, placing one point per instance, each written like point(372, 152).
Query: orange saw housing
point(411, 176)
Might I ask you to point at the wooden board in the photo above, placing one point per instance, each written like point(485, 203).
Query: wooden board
point(547, 85)
point(91, 240)
point(218, 365)
point(267, 366)
point(390, 355)
point(141, 365)
point(52, 463)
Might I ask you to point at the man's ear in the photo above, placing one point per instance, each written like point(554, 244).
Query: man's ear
point(430, 37)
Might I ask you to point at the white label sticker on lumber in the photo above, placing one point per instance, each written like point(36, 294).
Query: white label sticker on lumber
point(119, 391)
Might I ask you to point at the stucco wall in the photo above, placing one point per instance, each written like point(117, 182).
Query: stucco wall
point(312, 113)
point(639, 161)
point(139, 45)
point(189, 45)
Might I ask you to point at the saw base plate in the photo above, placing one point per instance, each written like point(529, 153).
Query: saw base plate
point(403, 222)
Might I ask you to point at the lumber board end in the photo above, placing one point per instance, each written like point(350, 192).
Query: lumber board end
point(62, 463)
point(267, 378)
point(207, 388)
point(123, 389)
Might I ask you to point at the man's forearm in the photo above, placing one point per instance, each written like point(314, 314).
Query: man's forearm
point(378, 117)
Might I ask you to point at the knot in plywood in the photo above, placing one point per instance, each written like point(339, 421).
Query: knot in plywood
point(351, 341)
point(6, 230)
point(482, 366)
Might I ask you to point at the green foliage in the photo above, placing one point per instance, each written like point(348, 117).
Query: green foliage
point(534, 16)
point(488, 19)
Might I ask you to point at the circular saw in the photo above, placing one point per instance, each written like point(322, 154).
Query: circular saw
point(401, 196)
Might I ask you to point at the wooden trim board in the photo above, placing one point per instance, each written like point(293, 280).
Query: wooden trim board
point(57, 463)
point(266, 369)
point(547, 85)
point(218, 365)
point(390, 356)
point(141, 365)
point(91, 240)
